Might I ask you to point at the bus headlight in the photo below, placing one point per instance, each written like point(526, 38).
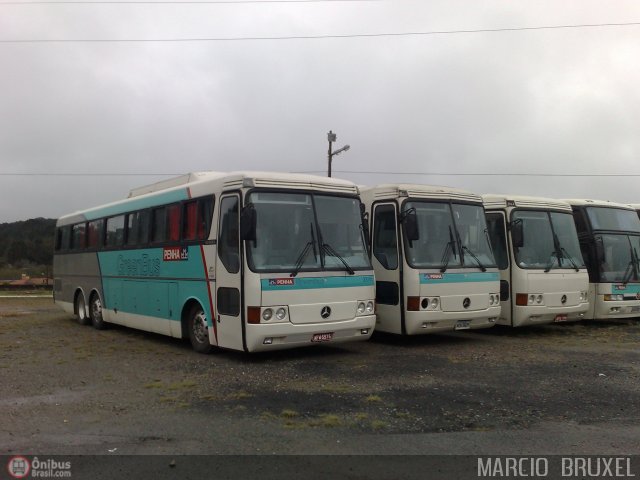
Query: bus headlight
point(361, 308)
point(281, 313)
point(267, 313)
point(370, 307)
point(613, 298)
point(435, 302)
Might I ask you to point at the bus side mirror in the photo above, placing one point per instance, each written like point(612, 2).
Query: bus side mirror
point(517, 234)
point(248, 222)
point(410, 222)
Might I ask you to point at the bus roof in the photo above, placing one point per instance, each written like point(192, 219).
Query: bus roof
point(579, 202)
point(412, 190)
point(499, 201)
point(198, 184)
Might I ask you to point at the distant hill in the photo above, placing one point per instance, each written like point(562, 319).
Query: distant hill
point(27, 242)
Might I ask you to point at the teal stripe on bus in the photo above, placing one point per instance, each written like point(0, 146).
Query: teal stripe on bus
point(310, 283)
point(621, 289)
point(436, 278)
point(138, 204)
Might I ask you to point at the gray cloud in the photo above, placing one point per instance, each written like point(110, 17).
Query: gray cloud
point(549, 101)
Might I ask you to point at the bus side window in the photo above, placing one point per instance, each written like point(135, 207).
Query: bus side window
point(94, 233)
point(63, 238)
point(189, 227)
point(228, 235)
point(78, 236)
point(115, 231)
point(385, 245)
point(173, 223)
point(159, 227)
point(205, 212)
point(497, 235)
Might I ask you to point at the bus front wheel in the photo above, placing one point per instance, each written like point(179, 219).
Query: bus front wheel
point(199, 331)
point(81, 309)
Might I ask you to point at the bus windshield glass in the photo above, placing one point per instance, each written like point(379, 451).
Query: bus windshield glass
point(444, 230)
point(306, 232)
point(603, 218)
point(620, 259)
point(549, 240)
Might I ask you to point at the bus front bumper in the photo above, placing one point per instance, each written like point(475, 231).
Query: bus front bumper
point(278, 336)
point(425, 322)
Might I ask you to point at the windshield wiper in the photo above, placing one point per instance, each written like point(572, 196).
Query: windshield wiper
point(328, 250)
point(449, 248)
point(473, 255)
point(565, 254)
point(631, 267)
point(303, 254)
point(554, 259)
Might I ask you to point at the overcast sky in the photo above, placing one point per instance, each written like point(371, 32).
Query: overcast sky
point(549, 101)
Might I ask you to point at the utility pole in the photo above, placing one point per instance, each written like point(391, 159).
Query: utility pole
point(332, 138)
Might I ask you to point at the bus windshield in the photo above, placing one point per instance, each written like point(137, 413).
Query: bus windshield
point(620, 260)
point(450, 236)
point(306, 232)
point(550, 240)
point(603, 218)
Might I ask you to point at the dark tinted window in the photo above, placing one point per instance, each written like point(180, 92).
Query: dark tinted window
point(94, 233)
point(115, 231)
point(78, 236)
point(497, 235)
point(385, 244)
point(229, 235)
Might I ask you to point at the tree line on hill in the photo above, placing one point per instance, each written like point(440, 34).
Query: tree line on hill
point(27, 242)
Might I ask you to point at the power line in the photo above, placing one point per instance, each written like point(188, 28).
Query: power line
point(320, 37)
point(460, 174)
point(435, 174)
point(173, 2)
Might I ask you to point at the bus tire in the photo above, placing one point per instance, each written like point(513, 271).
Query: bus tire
point(198, 330)
point(81, 310)
point(95, 312)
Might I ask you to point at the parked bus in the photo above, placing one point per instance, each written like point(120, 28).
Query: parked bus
point(245, 261)
point(610, 242)
point(433, 263)
point(543, 278)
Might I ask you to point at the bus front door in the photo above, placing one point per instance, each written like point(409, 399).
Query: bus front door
point(228, 279)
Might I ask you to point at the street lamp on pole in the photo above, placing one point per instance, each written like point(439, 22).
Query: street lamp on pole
point(332, 138)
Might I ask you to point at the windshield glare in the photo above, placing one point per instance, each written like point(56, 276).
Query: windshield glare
point(472, 228)
point(618, 265)
point(287, 223)
point(437, 245)
point(538, 249)
point(603, 218)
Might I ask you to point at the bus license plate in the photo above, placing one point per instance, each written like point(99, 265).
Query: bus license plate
point(322, 337)
point(635, 309)
point(560, 318)
point(463, 325)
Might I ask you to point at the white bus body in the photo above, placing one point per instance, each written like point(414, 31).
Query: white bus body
point(245, 261)
point(542, 274)
point(610, 241)
point(442, 276)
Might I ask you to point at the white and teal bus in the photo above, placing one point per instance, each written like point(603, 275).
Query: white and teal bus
point(543, 278)
point(244, 261)
point(433, 263)
point(610, 242)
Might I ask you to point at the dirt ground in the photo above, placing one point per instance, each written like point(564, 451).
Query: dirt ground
point(69, 389)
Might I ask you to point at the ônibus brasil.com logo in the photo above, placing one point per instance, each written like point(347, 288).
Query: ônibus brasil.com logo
point(21, 467)
point(18, 467)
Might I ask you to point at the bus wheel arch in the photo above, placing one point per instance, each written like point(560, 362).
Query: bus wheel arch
point(95, 311)
point(194, 326)
point(80, 307)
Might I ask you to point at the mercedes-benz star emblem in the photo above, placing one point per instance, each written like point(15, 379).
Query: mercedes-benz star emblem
point(563, 299)
point(325, 312)
point(466, 302)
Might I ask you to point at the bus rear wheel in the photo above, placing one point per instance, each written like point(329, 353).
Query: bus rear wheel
point(199, 330)
point(95, 312)
point(81, 310)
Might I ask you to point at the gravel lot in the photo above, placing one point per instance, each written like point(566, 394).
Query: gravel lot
point(572, 389)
